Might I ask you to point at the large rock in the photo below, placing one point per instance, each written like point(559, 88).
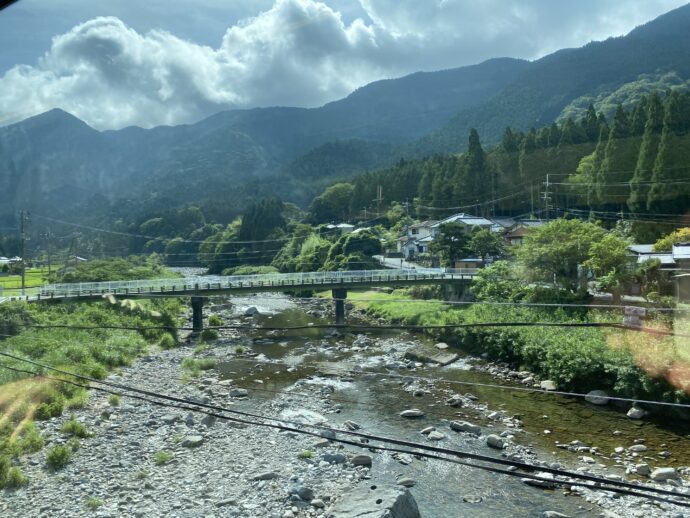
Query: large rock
point(597, 397)
point(548, 385)
point(251, 311)
point(375, 501)
point(193, 441)
point(238, 392)
point(663, 474)
point(494, 441)
point(464, 426)
point(636, 413)
point(361, 460)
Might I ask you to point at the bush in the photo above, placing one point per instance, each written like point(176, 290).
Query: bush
point(93, 503)
point(167, 341)
point(15, 478)
point(75, 428)
point(306, 454)
point(194, 365)
point(209, 334)
point(45, 411)
point(58, 457)
point(162, 457)
point(114, 400)
point(31, 440)
point(215, 320)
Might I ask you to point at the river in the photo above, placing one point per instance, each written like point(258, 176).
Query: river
point(365, 387)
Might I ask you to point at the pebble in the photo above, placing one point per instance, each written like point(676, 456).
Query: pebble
point(636, 413)
point(269, 475)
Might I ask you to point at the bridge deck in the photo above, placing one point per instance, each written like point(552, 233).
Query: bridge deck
point(217, 285)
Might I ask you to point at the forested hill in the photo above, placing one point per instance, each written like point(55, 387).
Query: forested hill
point(234, 158)
point(539, 95)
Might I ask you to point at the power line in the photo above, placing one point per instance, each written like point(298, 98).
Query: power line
point(429, 451)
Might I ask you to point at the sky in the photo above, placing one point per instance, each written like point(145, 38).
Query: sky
point(117, 63)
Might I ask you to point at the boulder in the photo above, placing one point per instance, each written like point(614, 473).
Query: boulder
point(361, 460)
point(193, 441)
point(643, 469)
point(597, 397)
point(636, 413)
point(494, 441)
point(238, 392)
point(251, 311)
point(464, 426)
point(548, 385)
point(664, 474)
point(639, 448)
point(375, 501)
point(436, 436)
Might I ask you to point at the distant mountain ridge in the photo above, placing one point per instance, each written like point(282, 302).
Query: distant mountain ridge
point(54, 163)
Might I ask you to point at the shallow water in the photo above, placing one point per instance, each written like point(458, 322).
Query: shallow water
point(374, 402)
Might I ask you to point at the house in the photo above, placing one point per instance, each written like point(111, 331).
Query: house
point(467, 220)
point(342, 228)
point(515, 234)
point(416, 239)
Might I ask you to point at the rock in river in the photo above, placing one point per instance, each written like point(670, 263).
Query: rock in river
point(548, 385)
point(464, 426)
point(495, 441)
point(597, 397)
point(663, 474)
point(412, 413)
point(376, 501)
point(636, 413)
point(238, 392)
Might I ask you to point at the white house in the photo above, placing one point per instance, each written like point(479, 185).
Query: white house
point(467, 220)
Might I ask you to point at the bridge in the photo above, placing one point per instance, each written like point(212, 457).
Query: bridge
point(198, 288)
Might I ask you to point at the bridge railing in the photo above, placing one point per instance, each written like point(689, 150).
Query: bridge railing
point(217, 282)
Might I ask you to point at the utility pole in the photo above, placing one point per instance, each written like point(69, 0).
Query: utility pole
point(23, 220)
point(48, 237)
point(547, 198)
point(378, 200)
point(531, 200)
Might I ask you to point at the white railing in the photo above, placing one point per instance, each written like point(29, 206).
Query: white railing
point(276, 280)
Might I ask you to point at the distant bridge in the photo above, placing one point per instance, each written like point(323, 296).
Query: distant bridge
point(208, 285)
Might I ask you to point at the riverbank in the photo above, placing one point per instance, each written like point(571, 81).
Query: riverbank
point(628, 364)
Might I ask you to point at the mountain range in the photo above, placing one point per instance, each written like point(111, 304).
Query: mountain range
point(55, 164)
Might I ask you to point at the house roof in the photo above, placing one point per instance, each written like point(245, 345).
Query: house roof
point(681, 251)
point(504, 222)
point(424, 224)
point(465, 219)
point(426, 239)
point(641, 249)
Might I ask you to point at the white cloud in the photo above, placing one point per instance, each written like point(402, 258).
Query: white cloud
point(297, 53)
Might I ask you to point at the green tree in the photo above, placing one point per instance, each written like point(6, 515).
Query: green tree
point(333, 204)
point(665, 244)
point(485, 243)
point(639, 185)
point(450, 242)
point(670, 191)
point(498, 283)
point(555, 251)
point(608, 260)
point(620, 158)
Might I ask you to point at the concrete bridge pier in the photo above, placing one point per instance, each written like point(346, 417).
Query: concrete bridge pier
point(339, 294)
point(197, 314)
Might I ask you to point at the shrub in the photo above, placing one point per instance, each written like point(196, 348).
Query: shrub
point(162, 457)
point(114, 400)
point(306, 454)
point(4, 470)
point(167, 341)
point(195, 365)
point(209, 334)
point(58, 457)
point(75, 428)
point(73, 444)
point(239, 349)
point(45, 411)
point(15, 478)
point(31, 440)
point(93, 503)
point(215, 320)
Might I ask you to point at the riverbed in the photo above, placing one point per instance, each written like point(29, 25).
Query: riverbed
point(346, 381)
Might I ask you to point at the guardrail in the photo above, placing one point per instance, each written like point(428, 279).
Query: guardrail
point(244, 282)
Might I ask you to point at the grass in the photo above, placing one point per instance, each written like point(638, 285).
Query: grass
point(93, 503)
point(114, 400)
point(306, 454)
point(33, 277)
point(75, 428)
point(239, 349)
point(194, 366)
point(209, 334)
point(215, 321)
point(162, 457)
point(141, 475)
point(58, 457)
point(11, 476)
point(24, 398)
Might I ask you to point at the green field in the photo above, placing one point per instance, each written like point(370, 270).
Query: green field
point(12, 284)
